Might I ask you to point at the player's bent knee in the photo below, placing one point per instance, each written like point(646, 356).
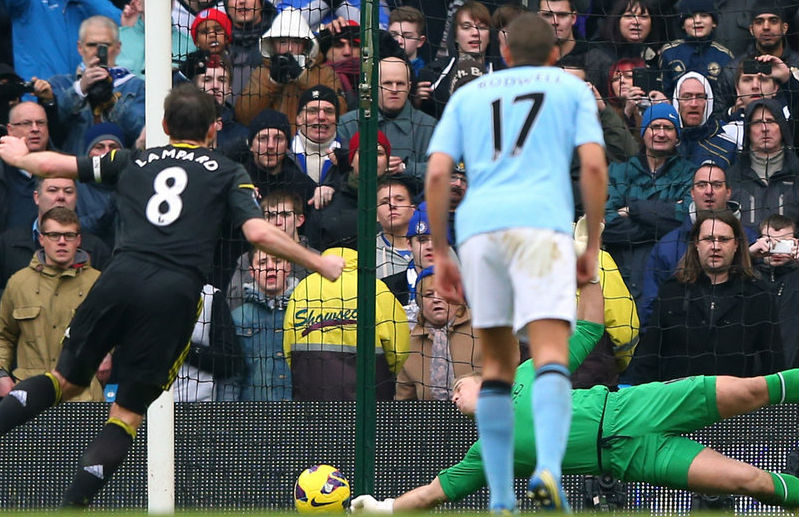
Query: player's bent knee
point(136, 397)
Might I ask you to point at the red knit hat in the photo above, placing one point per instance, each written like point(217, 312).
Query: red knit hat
point(382, 139)
point(211, 14)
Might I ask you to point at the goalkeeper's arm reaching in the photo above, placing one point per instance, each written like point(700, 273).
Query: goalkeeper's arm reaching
point(420, 498)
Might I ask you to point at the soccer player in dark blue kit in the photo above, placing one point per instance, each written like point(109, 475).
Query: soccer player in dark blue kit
point(171, 202)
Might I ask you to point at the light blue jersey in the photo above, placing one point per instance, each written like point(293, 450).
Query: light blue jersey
point(516, 131)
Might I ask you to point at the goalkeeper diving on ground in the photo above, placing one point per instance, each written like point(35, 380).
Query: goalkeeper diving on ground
point(632, 434)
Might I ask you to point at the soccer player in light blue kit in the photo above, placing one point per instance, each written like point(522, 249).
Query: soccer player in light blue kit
point(516, 131)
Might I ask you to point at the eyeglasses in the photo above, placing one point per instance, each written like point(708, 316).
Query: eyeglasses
point(715, 185)
point(720, 239)
point(405, 35)
point(668, 128)
point(28, 123)
point(689, 97)
point(466, 26)
point(56, 236)
point(314, 111)
point(285, 214)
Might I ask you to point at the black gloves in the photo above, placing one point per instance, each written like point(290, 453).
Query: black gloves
point(284, 68)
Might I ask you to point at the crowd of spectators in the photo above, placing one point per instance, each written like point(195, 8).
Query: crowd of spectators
point(698, 100)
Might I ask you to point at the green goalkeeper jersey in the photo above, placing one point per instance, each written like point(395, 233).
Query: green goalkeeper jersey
point(467, 476)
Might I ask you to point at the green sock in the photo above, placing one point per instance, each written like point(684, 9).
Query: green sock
point(783, 386)
point(786, 490)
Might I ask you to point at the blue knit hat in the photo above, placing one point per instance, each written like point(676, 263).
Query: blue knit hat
point(661, 110)
point(103, 131)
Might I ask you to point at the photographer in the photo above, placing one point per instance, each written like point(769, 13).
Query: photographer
point(777, 246)
point(13, 87)
point(292, 64)
point(100, 91)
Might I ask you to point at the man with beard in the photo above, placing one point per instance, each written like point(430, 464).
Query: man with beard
point(702, 137)
point(768, 27)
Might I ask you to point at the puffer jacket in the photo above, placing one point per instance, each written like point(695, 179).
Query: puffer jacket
point(35, 311)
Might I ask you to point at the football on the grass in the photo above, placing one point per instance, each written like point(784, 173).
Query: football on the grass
point(321, 489)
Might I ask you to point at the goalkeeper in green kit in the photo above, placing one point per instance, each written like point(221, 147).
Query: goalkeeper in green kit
point(632, 434)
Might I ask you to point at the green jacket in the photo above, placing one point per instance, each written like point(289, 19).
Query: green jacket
point(35, 310)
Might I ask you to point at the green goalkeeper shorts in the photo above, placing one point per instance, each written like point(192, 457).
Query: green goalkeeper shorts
point(642, 424)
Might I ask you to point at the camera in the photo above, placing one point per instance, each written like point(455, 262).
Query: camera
point(102, 55)
point(15, 88)
point(782, 246)
point(753, 66)
point(604, 493)
point(646, 79)
point(716, 503)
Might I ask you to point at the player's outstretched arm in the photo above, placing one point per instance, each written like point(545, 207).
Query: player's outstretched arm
point(270, 239)
point(594, 188)
point(14, 151)
point(420, 498)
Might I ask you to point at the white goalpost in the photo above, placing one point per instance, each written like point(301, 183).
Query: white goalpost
point(161, 414)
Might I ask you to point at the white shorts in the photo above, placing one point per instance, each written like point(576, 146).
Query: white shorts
point(515, 276)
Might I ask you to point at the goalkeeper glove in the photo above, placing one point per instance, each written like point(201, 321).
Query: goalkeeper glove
point(368, 504)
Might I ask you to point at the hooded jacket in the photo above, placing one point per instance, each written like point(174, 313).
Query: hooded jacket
point(263, 92)
point(35, 311)
point(319, 335)
point(780, 193)
point(707, 141)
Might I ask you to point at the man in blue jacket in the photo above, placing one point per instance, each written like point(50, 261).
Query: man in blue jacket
point(45, 32)
point(709, 191)
point(98, 92)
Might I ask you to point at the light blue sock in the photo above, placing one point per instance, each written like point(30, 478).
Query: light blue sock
point(495, 428)
point(552, 410)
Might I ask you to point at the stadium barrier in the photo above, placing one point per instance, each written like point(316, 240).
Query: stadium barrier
point(246, 456)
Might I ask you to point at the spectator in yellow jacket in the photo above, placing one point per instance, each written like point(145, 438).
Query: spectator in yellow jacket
point(319, 335)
